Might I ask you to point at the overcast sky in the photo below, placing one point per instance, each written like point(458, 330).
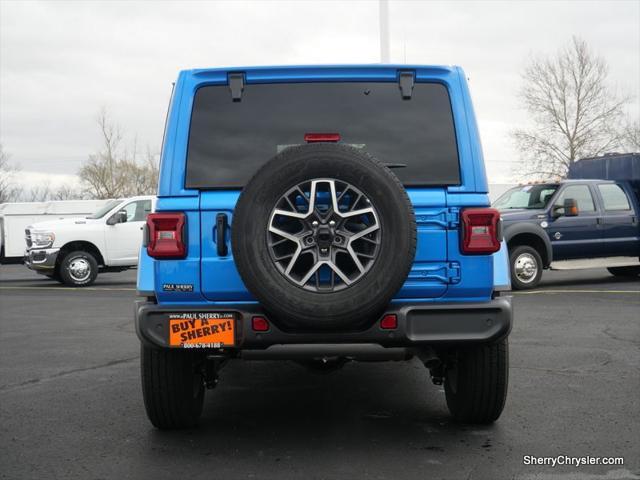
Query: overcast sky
point(60, 62)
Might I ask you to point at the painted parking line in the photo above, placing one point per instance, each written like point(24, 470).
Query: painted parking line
point(537, 292)
point(111, 289)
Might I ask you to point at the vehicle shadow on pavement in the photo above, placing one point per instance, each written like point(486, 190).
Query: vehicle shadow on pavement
point(38, 281)
point(590, 280)
point(19, 275)
point(280, 411)
point(48, 283)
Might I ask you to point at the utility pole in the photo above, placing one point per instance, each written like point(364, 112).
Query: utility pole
point(384, 30)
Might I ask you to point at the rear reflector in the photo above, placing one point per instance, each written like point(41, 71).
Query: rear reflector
point(389, 322)
point(480, 230)
point(166, 235)
point(321, 137)
point(259, 324)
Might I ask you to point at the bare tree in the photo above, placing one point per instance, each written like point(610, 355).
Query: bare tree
point(38, 193)
point(115, 170)
point(140, 176)
point(148, 173)
point(631, 136)
point(573, 112)
point(100, 172)
point(66, 192)
point(45, 192)
point(10, 191)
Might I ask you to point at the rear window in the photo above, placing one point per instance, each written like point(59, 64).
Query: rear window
point(613, 197)
point(229, 141)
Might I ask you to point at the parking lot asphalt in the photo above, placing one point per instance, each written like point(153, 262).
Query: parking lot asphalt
point(71, 405)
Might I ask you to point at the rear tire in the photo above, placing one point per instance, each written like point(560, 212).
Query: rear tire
point(525, 264)
point(78, 269)
point(632, 271)
point(476, 382)
point(172, 387)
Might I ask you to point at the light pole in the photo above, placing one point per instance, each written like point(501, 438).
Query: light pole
point(384, 30)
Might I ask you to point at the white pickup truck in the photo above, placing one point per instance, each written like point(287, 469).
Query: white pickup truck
point(15, 217)
point(74, 250)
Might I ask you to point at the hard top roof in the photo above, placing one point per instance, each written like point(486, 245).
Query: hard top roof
point(362, 66)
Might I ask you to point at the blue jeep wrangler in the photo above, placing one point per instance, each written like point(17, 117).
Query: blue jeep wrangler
point(322, 215)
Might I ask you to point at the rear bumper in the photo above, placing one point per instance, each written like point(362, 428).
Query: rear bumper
point(41, 260)
point(419, 325)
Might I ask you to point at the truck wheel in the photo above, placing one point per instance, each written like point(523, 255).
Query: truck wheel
point(526, 267)
point(632, 271)
point(476, 382)
point(78, 269)
point(172, 387)
point(324, 236)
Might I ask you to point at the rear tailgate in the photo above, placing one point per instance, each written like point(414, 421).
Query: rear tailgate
point(430, 275)
point(414, 128)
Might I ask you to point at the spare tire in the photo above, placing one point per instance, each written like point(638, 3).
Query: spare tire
point(323, 236)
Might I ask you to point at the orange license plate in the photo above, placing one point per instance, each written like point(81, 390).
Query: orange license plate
point(202, 330)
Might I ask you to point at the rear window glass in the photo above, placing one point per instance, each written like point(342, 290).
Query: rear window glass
point(613, 197)
point(229, 141)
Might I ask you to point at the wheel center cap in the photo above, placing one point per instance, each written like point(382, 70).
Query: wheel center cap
point(324, 237)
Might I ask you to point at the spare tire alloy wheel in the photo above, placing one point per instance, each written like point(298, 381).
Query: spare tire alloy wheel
point(324, 235)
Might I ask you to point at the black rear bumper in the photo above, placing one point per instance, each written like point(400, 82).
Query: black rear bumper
point(419, 325)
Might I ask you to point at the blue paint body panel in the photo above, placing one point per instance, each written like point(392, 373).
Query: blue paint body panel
point(440, 272)
point(145, 276)
point(501, 274)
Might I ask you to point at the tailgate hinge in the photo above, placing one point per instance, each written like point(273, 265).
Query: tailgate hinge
point(406, 80)
point(453, 272)
point(453, 217)
point(236, 85)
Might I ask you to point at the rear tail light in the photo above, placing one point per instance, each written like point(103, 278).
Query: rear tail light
point(321, 137)
point(481, 230)
point(166, 235)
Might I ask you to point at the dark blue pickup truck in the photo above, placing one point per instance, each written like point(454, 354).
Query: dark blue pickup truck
point(589, 220)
